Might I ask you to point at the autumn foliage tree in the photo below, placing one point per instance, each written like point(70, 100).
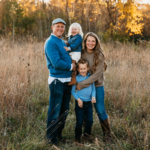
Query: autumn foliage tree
point(110, 19)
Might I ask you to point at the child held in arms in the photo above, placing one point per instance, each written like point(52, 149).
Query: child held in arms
point(74, 46)
point(83, 105)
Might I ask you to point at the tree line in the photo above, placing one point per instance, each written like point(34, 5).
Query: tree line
point(109, 19)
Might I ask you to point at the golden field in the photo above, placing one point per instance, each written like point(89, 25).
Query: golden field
point(24, 98)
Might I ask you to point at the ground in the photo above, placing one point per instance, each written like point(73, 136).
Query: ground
point(24, 98)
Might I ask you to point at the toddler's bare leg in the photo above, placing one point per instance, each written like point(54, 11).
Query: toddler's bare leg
point(73, 61)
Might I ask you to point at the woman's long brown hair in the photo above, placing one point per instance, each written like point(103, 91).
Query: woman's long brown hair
point(97, 50)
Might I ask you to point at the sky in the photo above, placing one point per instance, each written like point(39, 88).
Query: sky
point(144, 1)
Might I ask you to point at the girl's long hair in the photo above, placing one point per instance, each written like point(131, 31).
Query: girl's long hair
point(75, 25)
point(97, 50)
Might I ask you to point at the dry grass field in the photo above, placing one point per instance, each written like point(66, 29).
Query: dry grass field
point(24, 97)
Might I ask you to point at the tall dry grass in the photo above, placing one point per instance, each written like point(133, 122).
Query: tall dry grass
point(128, 76)
point(23, 75)
point(22, 66)
point(24, 97)
point(127, 93)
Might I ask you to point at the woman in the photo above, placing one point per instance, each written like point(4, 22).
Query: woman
point(92, 52)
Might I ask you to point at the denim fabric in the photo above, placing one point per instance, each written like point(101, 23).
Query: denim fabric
point(75, 43)
point(99, 105)
point(60, 94)
point(87, 112)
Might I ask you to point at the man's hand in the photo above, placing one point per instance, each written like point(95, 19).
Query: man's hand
point(66, 48)
point(78, 87)
point(80, 103)
point(73, 67)
point(93, 100)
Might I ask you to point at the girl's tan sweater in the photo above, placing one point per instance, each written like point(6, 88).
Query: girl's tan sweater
point(97, 76)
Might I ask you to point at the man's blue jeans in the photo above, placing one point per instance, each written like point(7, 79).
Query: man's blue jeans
point(60, 94)
point(99, 105)
point(87, 112)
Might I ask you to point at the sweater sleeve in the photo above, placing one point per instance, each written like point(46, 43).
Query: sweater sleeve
point(54, 56)
point(73, 92)
point(93, 90)
point(94, 77)
point(73, 44)
point(82, 56)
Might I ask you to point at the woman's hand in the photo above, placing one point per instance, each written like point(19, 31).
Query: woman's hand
point(80, 103)
point(78, 87)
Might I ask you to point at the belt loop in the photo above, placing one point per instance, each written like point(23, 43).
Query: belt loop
point(55, 81)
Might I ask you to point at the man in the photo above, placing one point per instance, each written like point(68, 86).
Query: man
point(60, 65)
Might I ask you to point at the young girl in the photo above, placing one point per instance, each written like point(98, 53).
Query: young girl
point(74, 44)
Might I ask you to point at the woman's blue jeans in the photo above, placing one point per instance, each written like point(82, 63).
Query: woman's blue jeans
point(60, 94)
point(99, 105)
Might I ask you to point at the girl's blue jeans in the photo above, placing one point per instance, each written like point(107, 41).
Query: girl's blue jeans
point(99, 105)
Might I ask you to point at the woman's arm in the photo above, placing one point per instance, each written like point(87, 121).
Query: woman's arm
point(94, 77)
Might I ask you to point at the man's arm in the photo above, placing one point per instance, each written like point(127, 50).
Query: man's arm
point(54, 56)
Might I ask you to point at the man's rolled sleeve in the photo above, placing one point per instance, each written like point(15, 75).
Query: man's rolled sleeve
point(71, 67)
